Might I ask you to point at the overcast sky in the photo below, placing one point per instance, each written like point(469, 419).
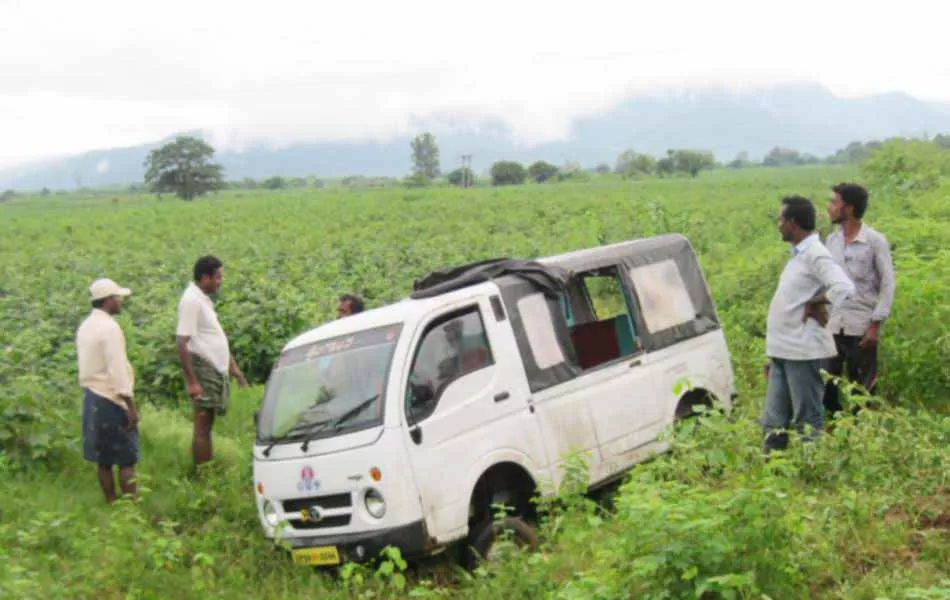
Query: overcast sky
point(76, 76)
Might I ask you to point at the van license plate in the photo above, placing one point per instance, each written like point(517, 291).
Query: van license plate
point(326, 555)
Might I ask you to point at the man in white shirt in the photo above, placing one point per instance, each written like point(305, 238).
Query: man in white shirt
point(796, 342)
point(109, 416)
point(205, 354)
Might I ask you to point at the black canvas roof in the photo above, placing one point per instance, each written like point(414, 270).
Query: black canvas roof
point(638, 251)
point(549, 278)
point(553, 275)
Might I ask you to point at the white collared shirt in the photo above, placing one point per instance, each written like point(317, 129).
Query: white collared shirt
point(198, 320)
point(104, 368)
point(810, 270)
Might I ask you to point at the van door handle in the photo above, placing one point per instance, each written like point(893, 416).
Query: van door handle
point(501, 396)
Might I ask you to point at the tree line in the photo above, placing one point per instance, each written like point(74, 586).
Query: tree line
point(185, 166)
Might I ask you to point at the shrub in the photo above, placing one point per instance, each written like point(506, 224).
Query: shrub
point(906, 165)
point(507, 173)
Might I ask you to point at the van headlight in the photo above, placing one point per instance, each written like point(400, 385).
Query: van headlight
point(270, 513)
point(375, 505)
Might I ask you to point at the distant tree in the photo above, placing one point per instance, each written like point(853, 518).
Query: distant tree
point(184, 168)
point(854, 153)
point(7, 195)
point(541, 171)
point(572, 171)
point(741, 161)
point(248, 183)
point(633, 164)
point(314, 182)
point(425, 156)
point(693, 161)
point(416, 180)
point(461, 175)
point(666, 166)
point(906, 164)
point(506, 172)
point(782, 157)
point(44, 192)
point(943, 140)
point(274, 183)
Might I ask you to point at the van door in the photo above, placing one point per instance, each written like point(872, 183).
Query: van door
point(464, 401)
point(618, 387)
point(561, 411)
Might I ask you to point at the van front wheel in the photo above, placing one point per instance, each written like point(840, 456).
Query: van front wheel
point(490, 541)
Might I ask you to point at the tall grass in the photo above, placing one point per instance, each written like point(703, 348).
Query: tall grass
point(864, 513)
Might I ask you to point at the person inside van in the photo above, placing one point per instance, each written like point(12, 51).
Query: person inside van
point(349, 305)
point(450, 367)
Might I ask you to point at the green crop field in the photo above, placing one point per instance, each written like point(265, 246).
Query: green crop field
point(863, 514)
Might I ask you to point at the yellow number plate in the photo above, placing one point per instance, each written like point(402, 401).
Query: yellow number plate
point(326, 555)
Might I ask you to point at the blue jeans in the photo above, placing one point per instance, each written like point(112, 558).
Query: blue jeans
point(794, 399)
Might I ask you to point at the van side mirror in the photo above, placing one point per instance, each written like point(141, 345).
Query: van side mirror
point(416, 434)
point(421, 393)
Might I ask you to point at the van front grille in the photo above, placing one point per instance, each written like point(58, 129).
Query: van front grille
point(325, 502)
point(325, 523)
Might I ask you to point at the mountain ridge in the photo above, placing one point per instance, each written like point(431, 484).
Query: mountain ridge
point(805, 117)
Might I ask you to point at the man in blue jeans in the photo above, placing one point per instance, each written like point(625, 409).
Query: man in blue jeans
point(796, 340)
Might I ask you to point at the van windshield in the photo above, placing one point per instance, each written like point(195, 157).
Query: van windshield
point(328, 387)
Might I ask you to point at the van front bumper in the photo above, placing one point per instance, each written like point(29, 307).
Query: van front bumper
point(412, 540)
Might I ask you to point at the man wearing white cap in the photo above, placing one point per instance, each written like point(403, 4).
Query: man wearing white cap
point(109, 416)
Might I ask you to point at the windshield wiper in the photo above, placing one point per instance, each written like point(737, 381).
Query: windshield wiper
point(339, 421)
point(301, 429)
point(299, 424)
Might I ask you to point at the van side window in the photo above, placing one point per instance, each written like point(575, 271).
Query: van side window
point(611, 335)
point(663, 295)
point(451, 347)
point(539, 328)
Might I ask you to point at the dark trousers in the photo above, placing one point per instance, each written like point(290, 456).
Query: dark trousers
point(861, 364)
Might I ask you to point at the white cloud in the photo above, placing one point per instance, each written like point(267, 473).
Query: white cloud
point(89, 75)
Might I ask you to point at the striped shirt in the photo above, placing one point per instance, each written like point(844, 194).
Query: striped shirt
point(867, 261)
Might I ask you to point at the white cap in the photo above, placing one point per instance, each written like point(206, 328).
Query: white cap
point(103, 288)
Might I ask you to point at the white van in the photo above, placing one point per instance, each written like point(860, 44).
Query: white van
point(405, 424)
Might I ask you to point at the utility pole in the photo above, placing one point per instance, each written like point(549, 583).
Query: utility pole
point(467, 174)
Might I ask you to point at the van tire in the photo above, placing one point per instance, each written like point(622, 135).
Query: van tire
point(482, 537)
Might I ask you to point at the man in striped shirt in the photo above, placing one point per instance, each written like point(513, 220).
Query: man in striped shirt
point(865, 256)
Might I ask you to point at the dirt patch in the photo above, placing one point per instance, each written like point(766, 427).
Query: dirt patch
point(928, 515)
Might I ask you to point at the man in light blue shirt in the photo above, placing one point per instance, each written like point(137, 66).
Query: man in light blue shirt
point(796, 342)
